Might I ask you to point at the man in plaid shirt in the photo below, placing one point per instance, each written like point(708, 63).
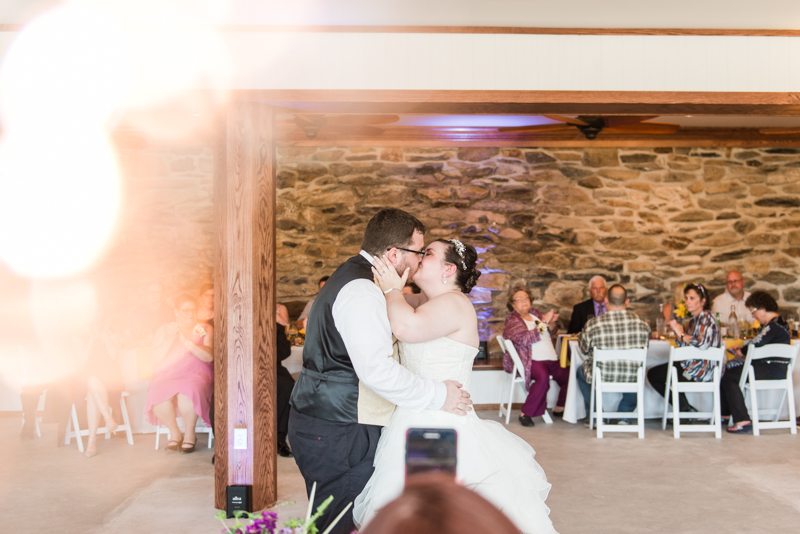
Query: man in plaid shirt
point(617, 329)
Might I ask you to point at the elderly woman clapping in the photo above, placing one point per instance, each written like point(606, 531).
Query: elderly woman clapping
point(532, 333)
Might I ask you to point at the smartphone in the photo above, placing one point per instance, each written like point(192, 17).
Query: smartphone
point(431, 449)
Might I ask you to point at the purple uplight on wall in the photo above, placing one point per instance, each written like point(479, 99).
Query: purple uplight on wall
point(457, 122)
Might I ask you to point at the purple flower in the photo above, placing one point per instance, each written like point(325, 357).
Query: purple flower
point(266, 523)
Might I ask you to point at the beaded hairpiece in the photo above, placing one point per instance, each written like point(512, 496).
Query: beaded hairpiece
point(460, 248)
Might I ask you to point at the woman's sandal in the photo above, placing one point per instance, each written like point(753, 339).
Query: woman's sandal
point(736, 429)
point(111, 428)
point(172, 448)
point(188, 447)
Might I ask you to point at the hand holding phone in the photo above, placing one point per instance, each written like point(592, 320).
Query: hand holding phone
point(430, 449)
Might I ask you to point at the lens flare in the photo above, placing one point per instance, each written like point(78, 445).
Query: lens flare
point(68, 69)
point(59, 199)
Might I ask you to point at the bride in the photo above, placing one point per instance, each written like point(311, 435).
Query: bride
point(438, 339)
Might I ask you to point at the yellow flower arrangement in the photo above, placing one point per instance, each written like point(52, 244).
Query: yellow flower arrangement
point(680, 309)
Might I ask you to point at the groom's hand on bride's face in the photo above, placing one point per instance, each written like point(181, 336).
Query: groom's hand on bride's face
point(457, 401)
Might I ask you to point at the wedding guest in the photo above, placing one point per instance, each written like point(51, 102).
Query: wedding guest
point(29, 397)
point(284, 386)
point(302, 321)
point(532, 335)
point(411, 289)
point(616, 329)
point(433, 503)
point(735, 296)
point(205, 314)
point(205, 304)
point(183, 355)
point(149, 315)
point(99, 381)
point(773, 330)
point(282, 314)
point(702, 332)
point(594, 307)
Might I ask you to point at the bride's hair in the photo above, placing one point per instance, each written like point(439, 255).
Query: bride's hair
point(464, 259)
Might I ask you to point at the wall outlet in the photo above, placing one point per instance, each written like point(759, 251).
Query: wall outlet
point(240, 438)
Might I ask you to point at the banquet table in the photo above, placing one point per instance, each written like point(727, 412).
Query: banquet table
point(561, 347)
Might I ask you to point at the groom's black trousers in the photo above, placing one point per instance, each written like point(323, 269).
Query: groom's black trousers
point(339, 457)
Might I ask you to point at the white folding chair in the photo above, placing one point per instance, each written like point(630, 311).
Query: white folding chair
point(74, 429)
point(749, 383)
point(679, 354)
point(517, 376)
point(37, 420)
point(599, 386)
point(199, 428)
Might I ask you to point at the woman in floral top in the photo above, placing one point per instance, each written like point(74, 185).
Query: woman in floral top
point(702, 332)
point(532, 333)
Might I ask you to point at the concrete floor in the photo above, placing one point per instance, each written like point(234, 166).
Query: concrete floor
point(619, 484)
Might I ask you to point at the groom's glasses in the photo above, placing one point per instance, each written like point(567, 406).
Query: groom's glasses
point(420, 252)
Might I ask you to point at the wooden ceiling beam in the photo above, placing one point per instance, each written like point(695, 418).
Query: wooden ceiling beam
point(427, 136)
point(527, 102)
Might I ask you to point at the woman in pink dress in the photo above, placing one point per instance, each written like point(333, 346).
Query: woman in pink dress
point(183, 355)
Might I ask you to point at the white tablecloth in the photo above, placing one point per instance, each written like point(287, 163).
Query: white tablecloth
point(294, 362)
point(657, 353)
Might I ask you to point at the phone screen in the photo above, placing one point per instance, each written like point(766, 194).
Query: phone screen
point(430, 449)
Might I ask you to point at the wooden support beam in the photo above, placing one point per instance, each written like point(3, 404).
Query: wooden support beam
point(245, 369)
point(473, 136)
point(465, 102)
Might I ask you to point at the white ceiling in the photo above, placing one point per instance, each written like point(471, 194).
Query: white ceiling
point(717, 14)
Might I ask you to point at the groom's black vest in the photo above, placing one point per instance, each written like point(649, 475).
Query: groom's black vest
point(327, 387)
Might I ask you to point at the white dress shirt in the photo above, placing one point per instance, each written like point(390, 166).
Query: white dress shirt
point(307, 309)
point(722, 305)
point(360, 316)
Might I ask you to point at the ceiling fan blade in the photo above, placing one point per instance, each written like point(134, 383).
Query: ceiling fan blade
point(535, 128)
point(779, 131)
point(356, 130)
point(569, 120)
point(361, 120)
point(645, 128)
point(612, 121)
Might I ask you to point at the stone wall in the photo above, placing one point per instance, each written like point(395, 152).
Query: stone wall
point(550, 218)
point(651, 219)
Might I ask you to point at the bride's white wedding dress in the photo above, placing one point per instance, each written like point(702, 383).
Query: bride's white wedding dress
point(490, 460)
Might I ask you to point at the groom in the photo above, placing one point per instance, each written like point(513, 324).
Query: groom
point(334, 424)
